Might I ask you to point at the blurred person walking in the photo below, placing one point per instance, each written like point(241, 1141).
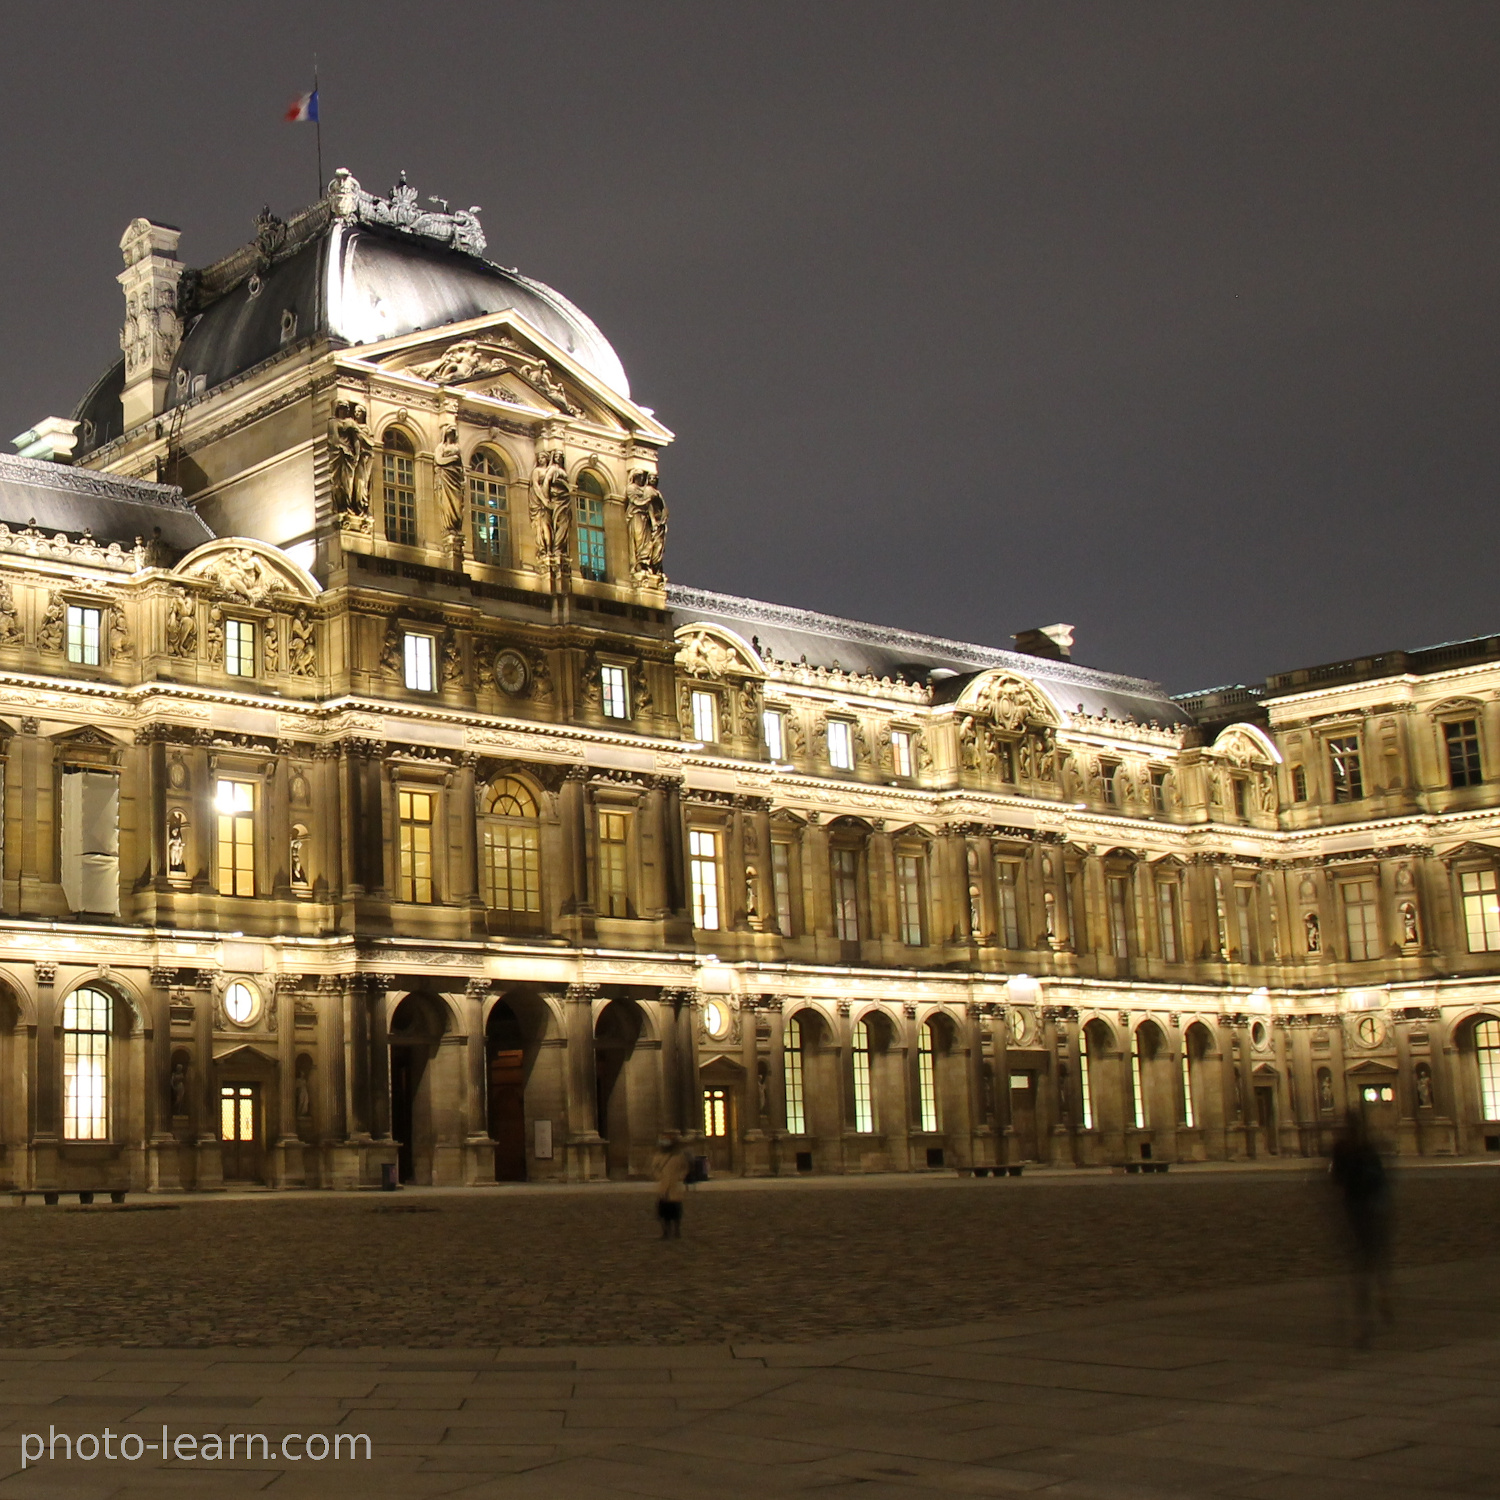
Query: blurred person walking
point(670, 1168)
point(1358, 1172)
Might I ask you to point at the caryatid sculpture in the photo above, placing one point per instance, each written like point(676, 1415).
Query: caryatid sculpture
point(550, 505)
point(646, 518)
point(352, 454)
point(448, 467)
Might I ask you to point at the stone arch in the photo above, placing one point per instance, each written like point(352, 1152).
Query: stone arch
point(250, 569)
point(705, 650)
point(1010, 699)
point(627, 1083)
point(426, 1085)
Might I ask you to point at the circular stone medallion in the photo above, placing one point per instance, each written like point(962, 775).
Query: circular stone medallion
point(510, 672)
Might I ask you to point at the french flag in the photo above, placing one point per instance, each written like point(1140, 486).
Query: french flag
point(305, 108)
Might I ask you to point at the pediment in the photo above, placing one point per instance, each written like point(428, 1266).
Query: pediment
point(1471, 850)
point(1245, 744)
point(247, 570)
point(712, 651)
point(1010, 699)
point(246, 1052)
point(1372, 1068)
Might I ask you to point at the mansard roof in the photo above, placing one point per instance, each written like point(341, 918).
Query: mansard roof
point(885, 651)
point(55, 497)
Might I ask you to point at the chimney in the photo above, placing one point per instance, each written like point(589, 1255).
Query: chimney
point(151, 332)
point(53, 438)
point(1055, 642)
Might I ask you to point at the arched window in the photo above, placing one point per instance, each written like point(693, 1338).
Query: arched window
point(590, 502)
point(927, 1078)
point(88, 1018)
point(796, 1115)
point(864, 1109)
point(489, 510)
point(398, 472)
point(1487, 1052)
point(511, 858)
point(1137, 1079)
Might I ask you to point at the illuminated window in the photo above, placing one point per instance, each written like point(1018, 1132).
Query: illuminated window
point(1361, 918)
point(773, 727)
point(845, 866)
point(909, 898)
point(418, 653)
point(901, 752)
point(1481, 910)
point(927, 1079)
point(705, 717)
point(239, 1003)
point(781, 879)
point(511, 861)
point(591, 526)
point(613, 829)
point(864, 1110)
point(399, 479)
point(840, 745)
point(1007, 877)
point(1188, 1116)
point(1085, 1082)
point(703, 862)
point(83, 634)
point(1119, 915)
point(234, 801)
point(88, 1017)
point(612, 692)
point(796, 1118)
point(237, 1112)
point(239, 648)
point(1461, 740)
point(1343, 768)
point(1487, 1050)
point(489, 511)
point(1169, 918)
point(1137, 1081)
point(414, 846)
point(716, 1113)
point(1377, 1094)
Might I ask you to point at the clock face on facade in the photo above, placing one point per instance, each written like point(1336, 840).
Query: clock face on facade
point(510, 672)
point(1369, 1030)
point(1017, 1024)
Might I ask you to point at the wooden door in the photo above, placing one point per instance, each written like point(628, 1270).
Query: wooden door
point(1377, 1102)
point(507, 1101)
point(1265, 1116)
point(240, 1132)
point(1023, 1117)
point(718, 1128)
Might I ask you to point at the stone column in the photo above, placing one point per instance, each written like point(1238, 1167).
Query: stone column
point(756, 1122)
point(47, 1124)
point(479, 1153)
point(288, 1167)
point(209, 1173)
point(583, 1149)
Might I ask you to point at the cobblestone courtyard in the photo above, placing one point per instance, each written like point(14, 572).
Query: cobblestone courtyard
point(779, 1261)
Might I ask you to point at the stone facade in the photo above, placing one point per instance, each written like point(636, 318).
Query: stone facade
point(371, 801)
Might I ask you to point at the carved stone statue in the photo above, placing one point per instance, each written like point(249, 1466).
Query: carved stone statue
point(1314, 934)
point(551, 511)
point(182, 625)
point(1424, 1086)
point(178, 1086)
point(352, 455)
point(49, 636)
point(299, 870)
point(1409, 933)
point(466, 360)
point(1325, 1091)
point(301, 648)
point(271, 645)
point(646, 519)
point(10, 626)
point(177, 841)
point(750, 899)
point(304, 1098)
point(1049, 904)
point(213, 637)
point(448, 472)
point(119, 636)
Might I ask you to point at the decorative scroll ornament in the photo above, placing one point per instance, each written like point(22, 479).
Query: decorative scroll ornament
point(402, 211)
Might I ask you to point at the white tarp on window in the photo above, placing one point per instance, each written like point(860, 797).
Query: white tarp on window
point(91, 841)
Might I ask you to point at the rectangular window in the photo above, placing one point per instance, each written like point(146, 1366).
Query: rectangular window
point(1361, 918)
point(845, 865)
point(1343, 769)
point(703, 860)
point(419, 654)
point(781, 879)
point(1169, 918)
point(239, 648)
point(1137, 1081)
point(908, 897)
point(705, 717)
point(796, 1116)
point(901, 752)
point(1008, 883)
point(613, 829)
point(1244, 906)
point(1189, 1118)
point(1461, 740)
point(1107, 770)
point(1119, 915)
point(1085, 1083)
point(1159, 791)
point(612, 688)
point(716, 1113)
point(591, 537)
point(86, 1036)
point(773, 727)
point(234, 801)
point(1481, 910)
point(864, 1104)
point(399, 475)
point(90, 841)
point(1299, 784)
point(1237, 783)
point(83, 634)
point(512, 868)
point(927, 1080)
point(489, 517)
point(840, 745)
point(414, 876)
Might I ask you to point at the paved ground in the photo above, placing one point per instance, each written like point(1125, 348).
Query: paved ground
point(773, 1261)
point(969, 1372)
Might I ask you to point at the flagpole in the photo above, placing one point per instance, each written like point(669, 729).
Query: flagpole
point(318, 127)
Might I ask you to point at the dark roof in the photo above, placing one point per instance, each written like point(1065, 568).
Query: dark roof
point(59, 498)
point(885, 651)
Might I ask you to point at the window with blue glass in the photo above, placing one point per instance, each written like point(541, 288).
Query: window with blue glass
point(489, 514)
point(591, 526)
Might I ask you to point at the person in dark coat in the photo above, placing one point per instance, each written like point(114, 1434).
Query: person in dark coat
point(1358, 1174)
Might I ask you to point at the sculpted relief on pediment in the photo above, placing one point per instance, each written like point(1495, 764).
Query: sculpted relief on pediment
point(1010, 700)
point(705, 652)
point(470, 362)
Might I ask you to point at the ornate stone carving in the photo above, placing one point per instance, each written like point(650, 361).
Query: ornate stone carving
point(350, 203)
point(301, 646)
point(550, 506)
point(49, 636)
point(182, 624)
point(10, 626)
point(213, 637)
point(351, 451)
point(646, 519)
point(450, 481)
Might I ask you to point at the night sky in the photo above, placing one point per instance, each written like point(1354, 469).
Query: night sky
point(1178, 323)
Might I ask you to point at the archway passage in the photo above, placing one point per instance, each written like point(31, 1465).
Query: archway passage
point(505, 1055)
point(615, 1037)
point(416, 1031)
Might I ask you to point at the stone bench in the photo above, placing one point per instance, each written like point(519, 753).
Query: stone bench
point(51, 1196)
point(1132, 1167)
point(989, 1171)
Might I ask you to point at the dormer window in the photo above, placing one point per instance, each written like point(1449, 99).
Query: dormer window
point(489, 513)
point(1461, 741)
point(239, 648)
point(399, 482)
point(84, 625)
point(840, 745)
point(590, 504)
point(1344, 768)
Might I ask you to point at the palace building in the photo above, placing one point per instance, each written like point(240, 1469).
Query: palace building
point(372, 802)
